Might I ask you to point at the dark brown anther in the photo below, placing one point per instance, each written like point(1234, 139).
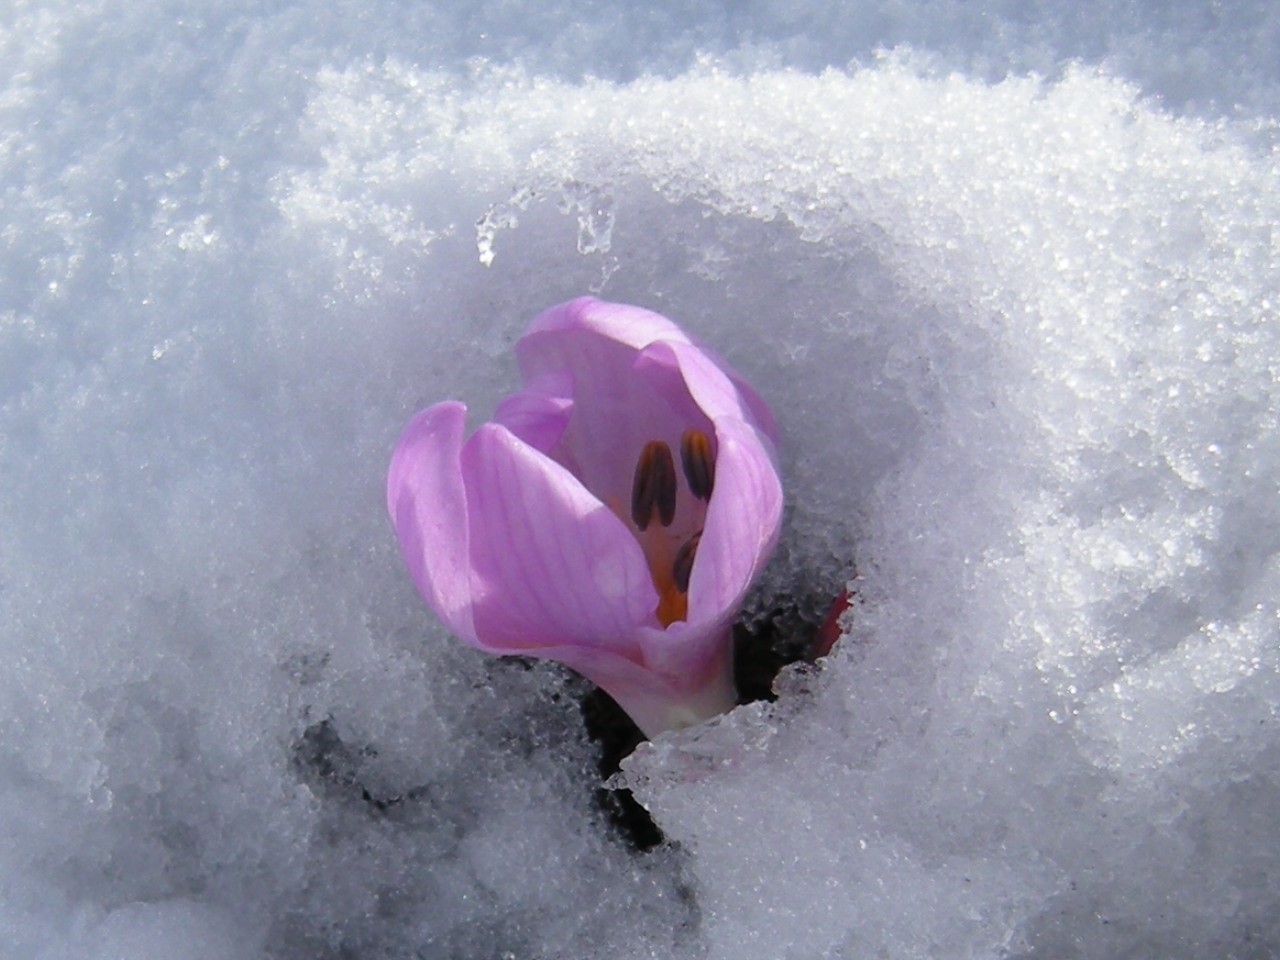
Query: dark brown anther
point(682, 569)
point(698, 462)
point(654, 486)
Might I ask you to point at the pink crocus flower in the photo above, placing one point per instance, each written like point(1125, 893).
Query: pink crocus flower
point(611, 515)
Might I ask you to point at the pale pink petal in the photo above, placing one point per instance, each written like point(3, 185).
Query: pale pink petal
point(550, 564)
point(428, 506)
point(617, 408)
point(540, 412)
point(745, 511)
point(543, 348)
point(687, 688)
point(629, 326)
point(743, 520)
point(741, 530)
point(687, 370)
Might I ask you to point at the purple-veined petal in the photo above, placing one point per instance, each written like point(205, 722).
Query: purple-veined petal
point(622, 323)
point(745, 512)
point(542, 348)
point(689, 654)
point(540, 412)
point(743, 519)
point(617, 406)
point(741, 530)
point(698, 685)
point(428, 505)
point(711, 390)
point(550, 564)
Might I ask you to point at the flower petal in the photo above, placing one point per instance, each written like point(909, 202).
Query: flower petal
point(711, 389)
point(542, 346)
point(540, 412)
point(428, 506)
point(743, 519)
point(617, 408)
point(622, 323)
point(550, 564)
point(741, 530)
point(697, 686)
point(745, 511)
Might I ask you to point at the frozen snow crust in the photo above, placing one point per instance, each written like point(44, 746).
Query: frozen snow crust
point(1021, 337)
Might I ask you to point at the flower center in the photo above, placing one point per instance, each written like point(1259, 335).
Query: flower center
point(671, 544)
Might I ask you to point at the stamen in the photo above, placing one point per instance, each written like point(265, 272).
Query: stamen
point(654, 486)
point(699, 465)
point(682, 568)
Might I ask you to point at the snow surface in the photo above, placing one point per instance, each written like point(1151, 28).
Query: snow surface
point(1020, 330)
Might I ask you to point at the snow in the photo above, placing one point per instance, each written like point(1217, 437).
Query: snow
point(1009, 282)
